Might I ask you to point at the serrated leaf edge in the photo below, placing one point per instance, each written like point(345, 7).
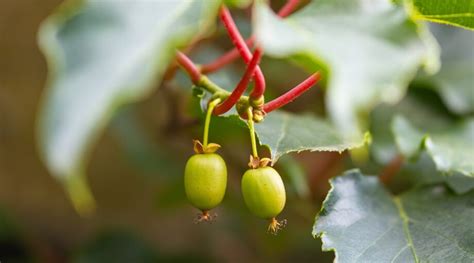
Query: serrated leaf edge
point(396, 201)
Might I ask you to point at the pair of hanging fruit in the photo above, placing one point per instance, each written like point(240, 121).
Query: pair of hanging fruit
point(205, 180)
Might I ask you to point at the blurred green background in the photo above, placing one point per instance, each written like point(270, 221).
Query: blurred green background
point(136, 171)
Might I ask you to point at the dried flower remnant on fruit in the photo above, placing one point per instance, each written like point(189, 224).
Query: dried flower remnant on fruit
point(205, 216)
point(199, 148)
point(256, 162)
point(274, 226)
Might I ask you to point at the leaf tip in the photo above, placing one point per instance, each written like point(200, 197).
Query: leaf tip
point(80, 195)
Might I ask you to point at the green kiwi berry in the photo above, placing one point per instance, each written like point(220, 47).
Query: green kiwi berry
point(264, 192)
point(205, 180)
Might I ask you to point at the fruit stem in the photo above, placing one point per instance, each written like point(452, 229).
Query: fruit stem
point(292, 94)
point(244, 51)
point(225, 59)
point(210, 109)
point(233, 54)
point(252, 132)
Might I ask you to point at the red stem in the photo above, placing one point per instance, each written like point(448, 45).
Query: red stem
point(189, 66)
point(242, 86)
point(288, 8)
point(232, 54)
point(292, 94)
point(244, 51)
point(225, 59)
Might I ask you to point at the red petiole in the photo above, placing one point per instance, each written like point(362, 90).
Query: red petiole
point(288, 8)
point(292, 94)
point(244, 51)
point(225, 59)
point(279, 102)
point(233, 54)
point(252, 71)
point(189, 67)
point(242, 86)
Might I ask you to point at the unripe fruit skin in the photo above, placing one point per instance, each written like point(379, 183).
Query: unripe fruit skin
point(264, 192)
point(205, 180)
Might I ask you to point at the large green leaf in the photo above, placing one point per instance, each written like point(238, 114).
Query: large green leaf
point(383, 148)
point(370, 52)
point(284, 132)
point(455, 80)
point(452, 148)
point(362, 222)
point(456, 13)
point(423, 171)
point(103, 54)
point(141, 148)
point(425, 117)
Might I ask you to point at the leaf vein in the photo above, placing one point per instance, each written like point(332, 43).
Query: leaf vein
point(451, 15)
point(375, 241)
point(399, 253)
point(442, 235)
point(405, 220)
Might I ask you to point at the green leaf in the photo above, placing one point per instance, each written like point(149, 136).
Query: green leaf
point(365, 64)
point(291, 168)
point(141, 148)
point(362, 222)
point(284, 132)
point(455, 80)
point(383, 148)
point(422, 105)
point(101, 55)
point(451, 147)
point(459, 183)
point(424, 116)
point(423, 172)
point(456, 13)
